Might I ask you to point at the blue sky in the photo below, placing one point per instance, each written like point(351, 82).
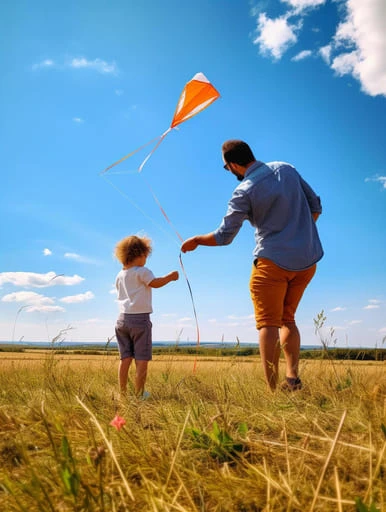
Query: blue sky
point(84, 83)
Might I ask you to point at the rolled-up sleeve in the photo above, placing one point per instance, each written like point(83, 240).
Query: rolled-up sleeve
point(237, 212)
point(312, 198)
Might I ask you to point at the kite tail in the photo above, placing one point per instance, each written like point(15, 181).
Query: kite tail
point(159, 139)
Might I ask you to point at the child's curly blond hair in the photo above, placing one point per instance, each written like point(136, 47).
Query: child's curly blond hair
point(131, 247)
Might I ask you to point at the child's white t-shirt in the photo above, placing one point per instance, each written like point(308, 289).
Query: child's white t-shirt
point(134, 295)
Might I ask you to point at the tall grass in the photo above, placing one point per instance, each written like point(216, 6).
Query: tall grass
point(210, 440)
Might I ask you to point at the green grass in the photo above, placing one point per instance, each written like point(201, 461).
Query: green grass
point(210, 440)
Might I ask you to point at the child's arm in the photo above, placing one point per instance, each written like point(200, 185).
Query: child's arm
point(158, 282)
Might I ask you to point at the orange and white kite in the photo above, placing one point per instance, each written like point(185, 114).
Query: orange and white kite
point(197, 94)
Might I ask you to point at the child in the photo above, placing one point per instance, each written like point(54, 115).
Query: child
point(134, 285)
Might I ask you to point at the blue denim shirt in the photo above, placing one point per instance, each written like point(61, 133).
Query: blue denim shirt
point(279, 204)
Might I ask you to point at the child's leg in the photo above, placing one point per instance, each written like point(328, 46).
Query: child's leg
point(123, 373)
point(140, 376)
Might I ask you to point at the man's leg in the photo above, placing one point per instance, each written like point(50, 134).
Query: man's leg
point(140, 376)
point(290, 343)
point(289, 333)
point(270, 352)
point(123, 373)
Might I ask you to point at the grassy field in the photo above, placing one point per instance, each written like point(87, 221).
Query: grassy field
point(212, 439)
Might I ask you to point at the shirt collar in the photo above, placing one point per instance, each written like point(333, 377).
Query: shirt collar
point(253, 167)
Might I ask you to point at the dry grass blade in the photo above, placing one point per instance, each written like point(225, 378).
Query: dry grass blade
point(177, 448)
point(338, 491)
point(109, 447)
point(328, 461)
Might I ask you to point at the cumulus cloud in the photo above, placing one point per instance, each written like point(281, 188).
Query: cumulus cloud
point(302, 55)
point(358, 47)
point(372, 306)
point(76, 299)
point(275, 35)
point(338, 308)
point(28, 297)
point(33, 302)
point(360, 41)
point(35, 280)
point(78, 120)
point(45, 309)
point(47, 252)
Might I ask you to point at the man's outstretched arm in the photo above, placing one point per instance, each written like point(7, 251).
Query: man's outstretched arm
point(192, 243)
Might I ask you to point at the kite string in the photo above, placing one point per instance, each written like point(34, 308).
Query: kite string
point(181, 264)
point(159, 139)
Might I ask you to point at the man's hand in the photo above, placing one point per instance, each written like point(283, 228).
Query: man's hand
point(190, 244)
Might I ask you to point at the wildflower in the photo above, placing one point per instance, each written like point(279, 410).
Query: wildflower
point(118, 422)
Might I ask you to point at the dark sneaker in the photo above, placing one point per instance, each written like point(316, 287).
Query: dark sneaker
point(291, 384)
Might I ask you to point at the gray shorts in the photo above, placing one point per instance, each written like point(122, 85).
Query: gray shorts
point(134, 337)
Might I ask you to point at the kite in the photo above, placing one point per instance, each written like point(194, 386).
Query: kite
point(197, 95)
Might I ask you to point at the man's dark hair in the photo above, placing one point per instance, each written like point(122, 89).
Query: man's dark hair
point(238, 152)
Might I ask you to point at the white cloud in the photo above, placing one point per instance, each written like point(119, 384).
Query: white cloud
point(34, 280)
point(275, 35)
point(325, 53)
point(81, 259)
point(371, 306)
point(99, 65)
point(354, 322)
point(47, 63)
point(338, 308)
point(28, 297)
point(44, 309)
point(33, 302)
point(382, 330)
point(358, 47)
point(184, 319)
point(118, 92)
point(76, 299)
point(78, 120)
point(47, 252)
point(302, 55)
point(362, 36)
point(378, 179)
point(374, 301)
point(300, 5)
point(72, 256)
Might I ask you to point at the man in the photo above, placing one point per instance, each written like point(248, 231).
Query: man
point(283, 208)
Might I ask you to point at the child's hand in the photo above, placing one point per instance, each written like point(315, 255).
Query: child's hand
point(174, 276)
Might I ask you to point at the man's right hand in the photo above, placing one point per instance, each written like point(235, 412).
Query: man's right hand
point(190, 244)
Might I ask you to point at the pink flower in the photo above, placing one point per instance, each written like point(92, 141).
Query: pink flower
point(118, 422)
